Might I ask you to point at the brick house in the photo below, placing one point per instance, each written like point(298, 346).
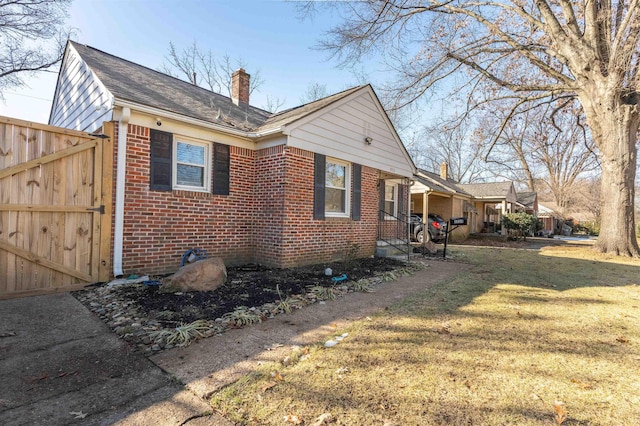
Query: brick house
point(195, 169)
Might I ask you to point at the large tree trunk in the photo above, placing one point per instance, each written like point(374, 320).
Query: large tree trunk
point(614, 127)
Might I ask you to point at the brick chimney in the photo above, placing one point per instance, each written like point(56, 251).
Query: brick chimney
point(443, 171)
point(240, 87)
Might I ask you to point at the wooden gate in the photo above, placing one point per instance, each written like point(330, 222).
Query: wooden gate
point(55, 208)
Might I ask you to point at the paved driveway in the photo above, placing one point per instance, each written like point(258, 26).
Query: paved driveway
point(60, 365)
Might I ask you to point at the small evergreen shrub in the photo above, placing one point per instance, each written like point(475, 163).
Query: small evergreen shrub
point(520, 224)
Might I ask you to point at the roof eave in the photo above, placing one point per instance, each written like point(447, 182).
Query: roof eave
point(196, 121)
point(434, 182)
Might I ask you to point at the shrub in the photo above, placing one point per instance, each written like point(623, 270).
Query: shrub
point(520, 224)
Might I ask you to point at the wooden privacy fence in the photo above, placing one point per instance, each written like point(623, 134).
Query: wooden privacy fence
point(55, 208)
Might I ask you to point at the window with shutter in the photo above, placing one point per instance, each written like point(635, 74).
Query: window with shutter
point(181, 163)
point(191, 165)
point(390, 200)
point(337, 188)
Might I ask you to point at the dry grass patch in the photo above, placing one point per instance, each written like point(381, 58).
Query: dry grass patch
point(527, 338)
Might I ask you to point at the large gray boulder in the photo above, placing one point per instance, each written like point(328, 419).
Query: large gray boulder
point(203, 275)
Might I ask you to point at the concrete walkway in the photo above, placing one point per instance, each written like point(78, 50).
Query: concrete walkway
point(210, 364)
point(60, 365)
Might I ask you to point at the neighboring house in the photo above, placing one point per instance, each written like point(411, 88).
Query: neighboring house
point(482, 204)
point(433, 193)
point(195, 169)
point(492, 200)
point(561, 221)
point(552, 221)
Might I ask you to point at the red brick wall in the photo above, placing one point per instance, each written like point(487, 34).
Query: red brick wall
point(267, 218)
point(159, 226)
point(392, 229)
point(269, 204)
point(307, 241)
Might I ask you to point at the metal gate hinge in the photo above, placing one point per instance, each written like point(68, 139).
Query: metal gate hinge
point(97, 209)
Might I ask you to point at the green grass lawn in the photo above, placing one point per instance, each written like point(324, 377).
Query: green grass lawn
point(526, 338)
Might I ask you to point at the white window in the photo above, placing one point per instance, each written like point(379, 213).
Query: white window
point(337, 188)
point(192, 165)
point(391, 199)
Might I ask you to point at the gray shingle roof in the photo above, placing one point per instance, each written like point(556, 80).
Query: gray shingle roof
point(135, 83)
point(446, 185)
point(527, 199)
point(433, 185)
point(492, 189)
point(132, 82)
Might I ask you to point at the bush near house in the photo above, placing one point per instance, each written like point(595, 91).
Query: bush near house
point(587, 228)
point(520, 224)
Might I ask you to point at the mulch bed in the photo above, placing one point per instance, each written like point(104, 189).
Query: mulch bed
point(250, 285)
point(137, 312)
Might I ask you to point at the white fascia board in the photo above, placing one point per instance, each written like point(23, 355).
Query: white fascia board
point(195, 121)
point(178, 117)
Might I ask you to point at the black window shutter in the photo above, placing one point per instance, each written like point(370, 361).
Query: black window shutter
point(402, 200)
point(221, 163)
point(161, 156)
point(356, 201)
point(319, 176)
point(381, 199)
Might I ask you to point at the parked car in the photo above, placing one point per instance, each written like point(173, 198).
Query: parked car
point(437, 230)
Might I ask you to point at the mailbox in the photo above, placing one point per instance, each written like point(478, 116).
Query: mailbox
point(458, 220)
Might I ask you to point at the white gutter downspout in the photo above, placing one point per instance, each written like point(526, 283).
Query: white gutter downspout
point(120, 178)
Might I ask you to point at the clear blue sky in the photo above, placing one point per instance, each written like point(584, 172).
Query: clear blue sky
point(267, 35)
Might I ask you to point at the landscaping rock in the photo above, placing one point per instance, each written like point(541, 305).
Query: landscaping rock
point(140, 311)
point(203, 275)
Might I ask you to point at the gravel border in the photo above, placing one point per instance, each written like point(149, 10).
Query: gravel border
point(126, 320)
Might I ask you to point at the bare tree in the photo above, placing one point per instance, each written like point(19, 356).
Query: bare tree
point(451, 143)
point(586, 197)
point(585, 50)
point(548, 146)
point(182, 64)
point(314, 92)
point(202, 68)
point(26, 27)
point(273, 104)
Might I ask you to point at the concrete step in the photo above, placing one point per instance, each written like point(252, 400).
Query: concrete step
point(384, 249)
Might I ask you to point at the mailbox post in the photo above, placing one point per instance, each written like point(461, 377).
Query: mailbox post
point(455, 222)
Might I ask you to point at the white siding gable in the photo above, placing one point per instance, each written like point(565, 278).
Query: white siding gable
point(339, 131)
point(81, 101)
